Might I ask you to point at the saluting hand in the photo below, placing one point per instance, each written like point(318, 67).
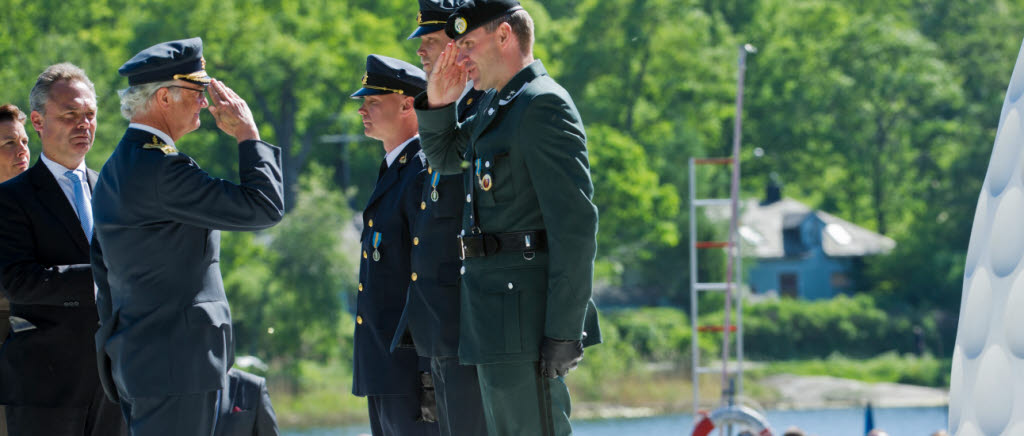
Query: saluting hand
point(231, 112)
point(447, 80)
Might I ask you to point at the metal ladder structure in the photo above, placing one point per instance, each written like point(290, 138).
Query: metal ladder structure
point(731, 386)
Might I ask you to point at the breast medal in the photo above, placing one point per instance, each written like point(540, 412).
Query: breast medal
point(376, 243)
point(433, 184)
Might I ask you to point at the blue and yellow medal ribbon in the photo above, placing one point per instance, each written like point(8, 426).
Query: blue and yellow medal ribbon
point(478, 169)
point(434, 179)
point(376, 243)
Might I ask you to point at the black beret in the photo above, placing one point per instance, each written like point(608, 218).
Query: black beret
point(433, 16)
point(475, 13)
point(386, 75)
point(181, 59)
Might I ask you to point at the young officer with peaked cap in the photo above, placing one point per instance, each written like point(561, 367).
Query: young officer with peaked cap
point(165, 342)
point(431, 316)
point(392, 381)
point(529, 223)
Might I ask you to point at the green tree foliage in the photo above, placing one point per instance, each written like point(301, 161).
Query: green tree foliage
point(791, 329)
point(881, 112)
point(286, 286)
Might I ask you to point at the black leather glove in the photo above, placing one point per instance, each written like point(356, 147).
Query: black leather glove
point(558, 356)
point(428, 404)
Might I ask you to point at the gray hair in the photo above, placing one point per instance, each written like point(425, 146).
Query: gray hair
point(54, 73)
point(135, 99)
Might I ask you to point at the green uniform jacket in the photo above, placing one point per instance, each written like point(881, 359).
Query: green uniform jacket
point(526, 146)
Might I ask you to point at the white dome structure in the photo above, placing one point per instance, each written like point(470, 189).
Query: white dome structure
point(987, 380)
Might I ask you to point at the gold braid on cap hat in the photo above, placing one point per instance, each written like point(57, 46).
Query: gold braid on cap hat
point(381, 88)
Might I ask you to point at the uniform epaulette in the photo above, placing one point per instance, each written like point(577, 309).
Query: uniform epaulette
point(159, 145)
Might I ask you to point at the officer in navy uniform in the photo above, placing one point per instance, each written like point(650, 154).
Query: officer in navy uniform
point(432, 310)
point(165, 343)
point(529, 221)
point(392, 381)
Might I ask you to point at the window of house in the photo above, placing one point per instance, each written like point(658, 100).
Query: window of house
point(792, 244)
point(788, 285)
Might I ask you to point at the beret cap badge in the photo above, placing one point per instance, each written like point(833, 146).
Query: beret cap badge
point(460, 25)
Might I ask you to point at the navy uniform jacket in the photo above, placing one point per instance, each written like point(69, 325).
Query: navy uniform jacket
point(44, 270)
point(165, 323)
point(432, 307)
point(383, 283)
point(528, 143)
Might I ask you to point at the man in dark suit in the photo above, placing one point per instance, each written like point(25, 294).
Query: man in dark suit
point(390, 380)
point(165, 340)
point(14, 158)
point(431, 316)
point(530, 225)
point(48, 367)
point(245, 408)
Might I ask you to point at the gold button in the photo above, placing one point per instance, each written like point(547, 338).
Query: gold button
point(423, 205)
point(416, 240)
point(371, 222)
point(430, 170)
point(414, 277)
point(359, 320)
point(364, 254)
point(360, 287)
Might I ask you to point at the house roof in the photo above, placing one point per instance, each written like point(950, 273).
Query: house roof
point(762, 225)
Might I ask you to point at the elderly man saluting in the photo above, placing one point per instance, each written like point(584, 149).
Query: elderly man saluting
point(165, 340)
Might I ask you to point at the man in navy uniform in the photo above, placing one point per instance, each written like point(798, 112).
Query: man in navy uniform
point(392, 381)
point(529, 224)
point(48, 374)
point(431, 316)
point(165, 340)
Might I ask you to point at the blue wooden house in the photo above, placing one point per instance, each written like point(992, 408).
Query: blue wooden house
point(793, 251)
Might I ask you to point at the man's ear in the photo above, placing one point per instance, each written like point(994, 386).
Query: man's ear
point(37, 121)
point(407, 105)
point(504, 34)
point(164, 97)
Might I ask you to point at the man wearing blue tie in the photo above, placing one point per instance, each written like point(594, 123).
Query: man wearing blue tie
point(48, 376)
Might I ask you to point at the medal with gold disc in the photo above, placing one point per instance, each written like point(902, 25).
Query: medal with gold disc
point(376, 243)
point(434, 179)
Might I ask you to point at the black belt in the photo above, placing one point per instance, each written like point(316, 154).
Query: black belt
point(489, 244)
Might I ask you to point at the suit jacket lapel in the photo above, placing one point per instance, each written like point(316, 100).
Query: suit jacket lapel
point(391, 175)
point(53, 199)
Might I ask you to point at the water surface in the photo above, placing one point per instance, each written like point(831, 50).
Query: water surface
point(913, 421)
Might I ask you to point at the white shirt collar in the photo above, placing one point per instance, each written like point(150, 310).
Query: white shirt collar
point(57, 169)
point(398, 150)
point(163, 136)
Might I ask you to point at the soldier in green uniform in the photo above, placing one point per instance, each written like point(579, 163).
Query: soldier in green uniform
point(529, 225)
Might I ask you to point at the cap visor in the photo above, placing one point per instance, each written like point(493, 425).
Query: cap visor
point(427, 29)
point(363, 92)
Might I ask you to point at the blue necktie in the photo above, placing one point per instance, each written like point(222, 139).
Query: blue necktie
point(81, 203)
